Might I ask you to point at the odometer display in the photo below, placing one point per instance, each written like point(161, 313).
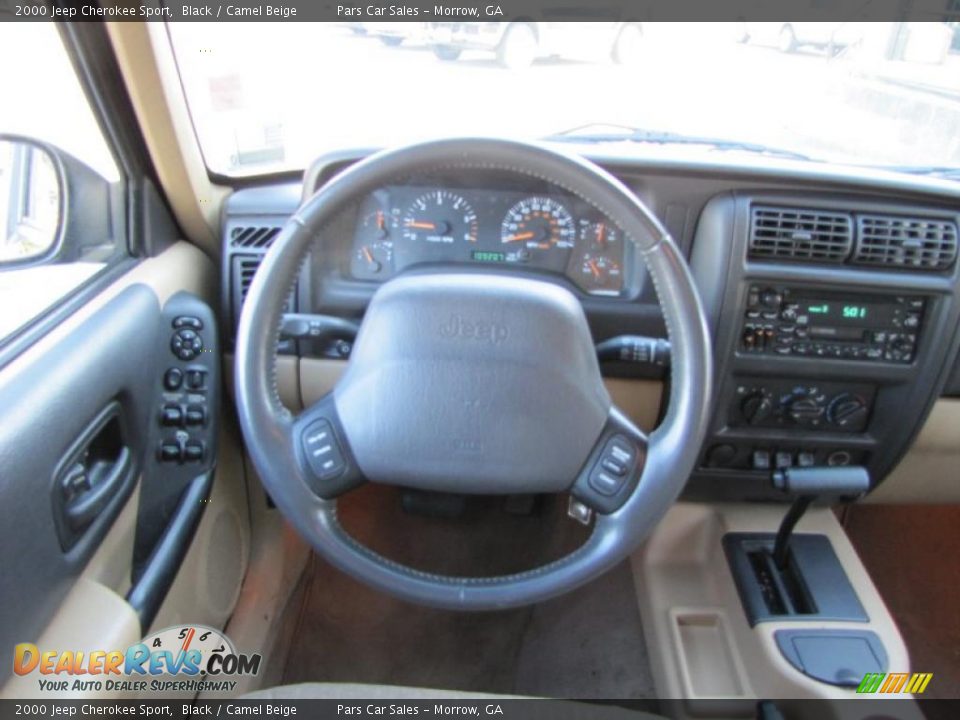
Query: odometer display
point(488, 256)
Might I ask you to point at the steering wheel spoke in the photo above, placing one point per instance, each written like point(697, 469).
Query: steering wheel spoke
point(615, 466)
point(323, 452)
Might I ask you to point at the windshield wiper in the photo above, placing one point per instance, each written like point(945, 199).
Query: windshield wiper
point(625, 133)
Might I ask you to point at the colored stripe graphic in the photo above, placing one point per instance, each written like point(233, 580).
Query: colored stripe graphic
point(914, 683)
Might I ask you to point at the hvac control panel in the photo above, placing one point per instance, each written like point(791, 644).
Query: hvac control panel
point(801, 322)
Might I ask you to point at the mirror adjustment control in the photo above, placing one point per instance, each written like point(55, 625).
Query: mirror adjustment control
point(186, 344)
point(321, 450)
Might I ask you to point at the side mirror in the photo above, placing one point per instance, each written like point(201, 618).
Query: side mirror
point(31, 201)
point(53, 208)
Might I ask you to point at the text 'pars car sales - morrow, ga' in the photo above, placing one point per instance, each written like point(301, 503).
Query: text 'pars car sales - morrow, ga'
point(407, 11)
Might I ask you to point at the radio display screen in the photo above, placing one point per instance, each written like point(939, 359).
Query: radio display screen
point(847, 313)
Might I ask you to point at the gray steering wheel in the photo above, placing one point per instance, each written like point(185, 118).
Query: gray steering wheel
point(470, 382)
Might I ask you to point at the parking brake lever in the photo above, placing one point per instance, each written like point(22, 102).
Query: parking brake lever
point(808, 484)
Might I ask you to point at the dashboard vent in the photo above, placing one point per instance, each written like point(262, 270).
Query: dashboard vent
point(245, 268)
point(253, 237)
point(793, 234)
point(915, 243)
point(242, 270)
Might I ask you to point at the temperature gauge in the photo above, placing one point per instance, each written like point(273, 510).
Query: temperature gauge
point(373, 256)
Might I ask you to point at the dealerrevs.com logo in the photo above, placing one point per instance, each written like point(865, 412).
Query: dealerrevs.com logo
point(190, 658)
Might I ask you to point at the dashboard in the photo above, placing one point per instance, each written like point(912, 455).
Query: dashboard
point(833, 297)
point(402, 226)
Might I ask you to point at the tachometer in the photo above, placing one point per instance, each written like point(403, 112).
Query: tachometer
point(440, 216)
point(538, 223)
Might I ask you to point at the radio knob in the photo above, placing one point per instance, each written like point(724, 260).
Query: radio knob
point(756, 407)
point(770, 298)
point(847, 411)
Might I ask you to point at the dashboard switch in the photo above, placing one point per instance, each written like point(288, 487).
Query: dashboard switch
point(761, 459)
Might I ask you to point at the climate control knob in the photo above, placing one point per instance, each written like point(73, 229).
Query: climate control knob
point(756, 407)
point(848, 411)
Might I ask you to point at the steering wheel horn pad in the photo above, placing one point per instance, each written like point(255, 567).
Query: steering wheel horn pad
point(473, 382)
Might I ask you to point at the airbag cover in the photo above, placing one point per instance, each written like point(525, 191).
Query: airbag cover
point(473, 383)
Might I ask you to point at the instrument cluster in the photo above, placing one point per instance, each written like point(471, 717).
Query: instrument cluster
point(402, 226)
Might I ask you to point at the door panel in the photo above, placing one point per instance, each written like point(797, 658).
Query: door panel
point(50, 404)
point(114, 351)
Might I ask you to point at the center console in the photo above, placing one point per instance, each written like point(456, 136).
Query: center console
point(826, 355)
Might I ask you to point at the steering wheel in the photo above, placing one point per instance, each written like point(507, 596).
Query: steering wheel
point(474, 383)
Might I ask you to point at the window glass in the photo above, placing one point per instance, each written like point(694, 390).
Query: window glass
point(41, 100)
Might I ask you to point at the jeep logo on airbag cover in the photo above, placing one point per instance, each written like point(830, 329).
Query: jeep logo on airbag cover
point(459, 327)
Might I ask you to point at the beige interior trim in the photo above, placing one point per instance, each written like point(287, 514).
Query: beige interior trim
point(928, 473)
point(92, 617)
point(147, 63)
point(693, 620)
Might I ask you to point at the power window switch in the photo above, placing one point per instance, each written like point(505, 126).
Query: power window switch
point(195, 415)
point(170, 451)
point(193, 451)
point(171, 415)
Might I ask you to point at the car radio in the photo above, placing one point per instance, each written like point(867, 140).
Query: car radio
point(849, 326)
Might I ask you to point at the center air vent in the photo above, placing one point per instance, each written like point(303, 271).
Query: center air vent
point(253, 236)
point(795, 234)
point(906, 242)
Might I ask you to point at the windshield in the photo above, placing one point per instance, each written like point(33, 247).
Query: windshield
point(271, 97)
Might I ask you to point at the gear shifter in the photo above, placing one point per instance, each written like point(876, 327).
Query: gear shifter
point(808, 484)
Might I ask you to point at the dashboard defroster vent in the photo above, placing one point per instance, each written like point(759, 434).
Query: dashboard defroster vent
point(914, 243)
point(253, 236)
point(800, 234)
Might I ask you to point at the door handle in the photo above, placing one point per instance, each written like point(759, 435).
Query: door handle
point(93, 472)
point(89, 489)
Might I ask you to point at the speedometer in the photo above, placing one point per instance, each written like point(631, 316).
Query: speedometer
point(538, 223)
point(440, 216)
